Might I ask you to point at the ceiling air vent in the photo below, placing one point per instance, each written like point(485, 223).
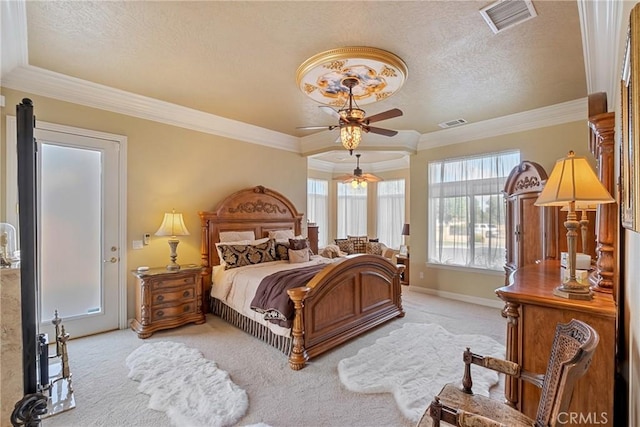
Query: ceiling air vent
point(505, 14)
point(452, 123)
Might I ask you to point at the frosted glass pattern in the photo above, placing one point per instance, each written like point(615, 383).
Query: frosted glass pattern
point(70, 231)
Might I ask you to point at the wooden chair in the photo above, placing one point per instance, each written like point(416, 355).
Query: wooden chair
point(573, 347)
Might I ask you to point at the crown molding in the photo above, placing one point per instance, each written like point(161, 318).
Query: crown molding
point(66, 88)
point(600, 25)
point(13, 36)
point(383, 166)
point(552, 115)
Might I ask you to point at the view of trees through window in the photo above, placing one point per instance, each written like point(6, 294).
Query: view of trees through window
point(466, 219)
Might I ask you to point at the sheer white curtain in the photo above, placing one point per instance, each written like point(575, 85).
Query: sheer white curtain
point(318, 207)
point(466, 222)
point(352, 211)
point(391, 197)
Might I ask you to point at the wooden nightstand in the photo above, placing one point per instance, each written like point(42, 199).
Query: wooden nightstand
point(166, 299)
point(404, 260)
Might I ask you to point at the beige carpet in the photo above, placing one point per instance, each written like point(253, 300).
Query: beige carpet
point(278, 396)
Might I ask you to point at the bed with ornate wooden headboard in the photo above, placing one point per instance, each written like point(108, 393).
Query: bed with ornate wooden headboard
point(344, 300)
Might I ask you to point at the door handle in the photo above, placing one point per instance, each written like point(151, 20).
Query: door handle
point(112, 260)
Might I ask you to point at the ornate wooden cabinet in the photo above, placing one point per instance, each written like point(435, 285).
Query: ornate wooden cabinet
point(532, 312)
point(530, 230)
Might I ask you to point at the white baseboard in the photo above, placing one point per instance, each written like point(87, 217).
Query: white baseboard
point(497, 303)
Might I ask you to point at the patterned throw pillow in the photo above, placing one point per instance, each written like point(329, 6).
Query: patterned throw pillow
point(241, 255)
point(297, 256)
point(346, 246)
point(282, 250)
point(359, 243)
point(374, 248)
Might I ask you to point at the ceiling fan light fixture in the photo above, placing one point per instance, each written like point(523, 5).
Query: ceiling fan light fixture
point(358, 183)
point(350, 136)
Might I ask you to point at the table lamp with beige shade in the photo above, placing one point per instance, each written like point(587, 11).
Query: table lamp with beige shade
point(573, 183)
point(173, 226)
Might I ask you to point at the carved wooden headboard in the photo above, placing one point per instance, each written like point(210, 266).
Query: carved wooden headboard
point(257, 208)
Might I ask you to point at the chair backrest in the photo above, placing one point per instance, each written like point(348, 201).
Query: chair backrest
point(573, 347)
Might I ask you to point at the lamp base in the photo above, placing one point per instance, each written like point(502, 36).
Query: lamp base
point(173, 267)
point(573, 290)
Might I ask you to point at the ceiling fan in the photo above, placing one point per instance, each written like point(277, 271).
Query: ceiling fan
point(352, 121)
point(358, 178)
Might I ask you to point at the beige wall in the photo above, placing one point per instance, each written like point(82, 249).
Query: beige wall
point(171, 167)
point(372, 218)
point(544, 146)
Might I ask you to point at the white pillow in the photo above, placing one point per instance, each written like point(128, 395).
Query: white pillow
point(301, 255)
point(281, 235)
point(236, 236)
point(239, 242)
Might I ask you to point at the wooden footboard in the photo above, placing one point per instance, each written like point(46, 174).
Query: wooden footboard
point(345, 300)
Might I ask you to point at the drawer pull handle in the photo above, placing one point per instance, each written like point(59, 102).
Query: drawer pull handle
point(160, 297)
point(159, 313)
point(186, 294)
point(186, 308)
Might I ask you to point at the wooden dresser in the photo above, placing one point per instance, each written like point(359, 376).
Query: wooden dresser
point(166, 299)
point(532, 312)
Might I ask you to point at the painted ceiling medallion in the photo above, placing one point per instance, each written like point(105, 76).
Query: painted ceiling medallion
point(379, 75)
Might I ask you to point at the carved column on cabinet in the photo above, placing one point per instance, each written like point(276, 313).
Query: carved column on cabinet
point(512, 387)
point(602, 147)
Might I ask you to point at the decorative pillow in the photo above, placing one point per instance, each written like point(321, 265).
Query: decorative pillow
point(241, 255)
point(281, 235)
point(239, 242)
point(346, 246)
point(374, 248)
point(236, 236)
point(282, 250)
point(297, 244)
point(359, 243)
point(299, 255)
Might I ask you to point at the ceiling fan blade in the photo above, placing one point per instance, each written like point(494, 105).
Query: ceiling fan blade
point(384, 115)
point(317, 127)
point(380, 131)
point(344, 178)
point(371, 177)
point(330, 111)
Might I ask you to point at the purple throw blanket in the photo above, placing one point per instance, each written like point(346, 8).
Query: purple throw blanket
point(271, 297)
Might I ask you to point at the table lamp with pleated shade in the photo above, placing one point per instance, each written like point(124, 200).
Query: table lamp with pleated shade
point(573, 182)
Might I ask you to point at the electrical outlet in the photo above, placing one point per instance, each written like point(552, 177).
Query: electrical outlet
point(145, 238)
point(421, 275)
point(137, 244)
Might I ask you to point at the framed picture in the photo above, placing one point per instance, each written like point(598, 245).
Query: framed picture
point(630, 130)
point(404, 251)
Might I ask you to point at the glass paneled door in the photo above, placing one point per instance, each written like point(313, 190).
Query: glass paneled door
point(78, 229)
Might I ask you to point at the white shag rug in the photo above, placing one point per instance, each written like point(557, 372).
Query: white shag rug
point(192, 390)
point(415, 362)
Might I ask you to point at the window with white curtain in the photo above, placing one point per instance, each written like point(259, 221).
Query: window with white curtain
point(466, 219)
point(391, 212)
point(352, 210)
point(318, 207)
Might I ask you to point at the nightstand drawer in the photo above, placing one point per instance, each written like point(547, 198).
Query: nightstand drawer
point(164, 313)
point(170, 296)
point(173, 282)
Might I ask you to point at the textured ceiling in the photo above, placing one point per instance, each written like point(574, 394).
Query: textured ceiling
point(238, 59)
